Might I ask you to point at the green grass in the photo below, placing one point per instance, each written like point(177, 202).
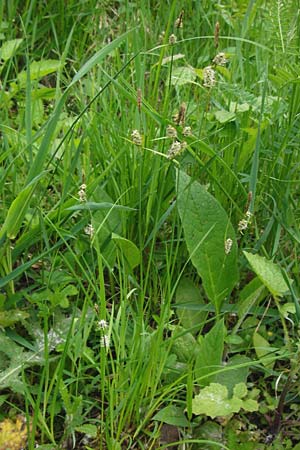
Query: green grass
point(108, 339)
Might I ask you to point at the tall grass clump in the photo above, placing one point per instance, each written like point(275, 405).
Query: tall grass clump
point(149, 225)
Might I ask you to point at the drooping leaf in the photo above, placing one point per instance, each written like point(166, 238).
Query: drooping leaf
point(269, 273)
point(128, 249)
point(89, 429)
point(182, 75)
point(209, 355)
point(264, 351)
point(206, 229)
point(172, 415)
point(8, 49)
point(188, 294)
point(18, 209)
point(184, 346)
point(250, 295)
point(39, 69)
point(224, 116)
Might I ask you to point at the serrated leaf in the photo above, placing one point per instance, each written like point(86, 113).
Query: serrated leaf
point(9, 48)
point(206, 229)
point(172, 415)
point(182, 75)
point(269, 273)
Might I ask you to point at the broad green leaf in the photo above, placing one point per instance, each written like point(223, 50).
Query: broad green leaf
point(240, 390)
point(9, 48)
point(172, 415)
point(11, 317)
point(188, 294)
point(18, 209)
point(128, 249)
point(211, 431)
point(250, 295)
point(169, 59)
point(269, 273)
point(60, 296)
point(15, 360)
point(213, 401)
point(209, 355)
point(184, 346)
point(88, 429)
point(239, 365)
point(223, 116)
point(182, 75)
point(206, 229)
point(264, 351)
point(39, 69)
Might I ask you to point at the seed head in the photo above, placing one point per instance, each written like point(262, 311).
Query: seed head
point(179, 20)
point(161, 37)
point(174, 150)
point(209, 77)
point(104, 341)
point(89, 230)
point(187, 131)
point(102, 324)
point(228, 245)
point(136, 137)
point(172, 39)
point(217, 33)
point(171, 132)
point(243, 225)
point(220, 59)
point(82, 193)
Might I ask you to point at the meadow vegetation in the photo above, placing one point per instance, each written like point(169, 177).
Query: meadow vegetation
point(149, 224)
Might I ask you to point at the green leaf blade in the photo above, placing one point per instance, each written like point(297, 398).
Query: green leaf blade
point(206, 228)
point(269, 273)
